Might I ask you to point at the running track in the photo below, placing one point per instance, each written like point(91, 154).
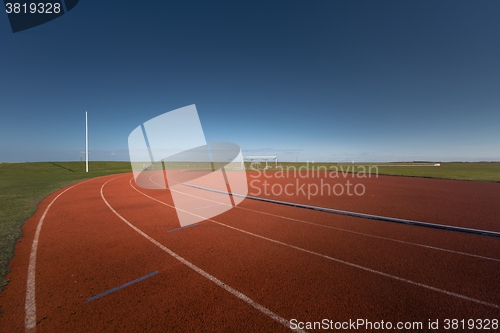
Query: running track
point(255, 267)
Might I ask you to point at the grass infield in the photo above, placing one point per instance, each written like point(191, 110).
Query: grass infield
point(24, 185)
point(475, 171)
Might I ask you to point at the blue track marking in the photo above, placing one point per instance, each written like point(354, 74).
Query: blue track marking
point(187, 226)
point(120, 287)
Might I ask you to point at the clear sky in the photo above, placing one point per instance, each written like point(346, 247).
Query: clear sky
point(318, 80)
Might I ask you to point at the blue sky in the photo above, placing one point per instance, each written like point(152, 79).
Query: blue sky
point(307, 80)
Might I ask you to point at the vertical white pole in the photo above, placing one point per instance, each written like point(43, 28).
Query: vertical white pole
point(86, 143)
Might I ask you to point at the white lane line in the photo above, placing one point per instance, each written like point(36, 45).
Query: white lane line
point(159, 185)
point(30, 304)
point(374, 236)
point(345, 230)
point(368, 269)
point(361, 215)
point(209, 206)
point(198, 270)
point(446, 292)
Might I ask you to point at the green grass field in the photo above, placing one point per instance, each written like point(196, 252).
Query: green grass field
point(24, 185)
point(480, 171)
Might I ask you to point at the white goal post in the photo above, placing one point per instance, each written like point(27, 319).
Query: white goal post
point(253, 159)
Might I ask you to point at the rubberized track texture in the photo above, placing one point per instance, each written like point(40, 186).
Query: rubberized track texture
point(106, 256)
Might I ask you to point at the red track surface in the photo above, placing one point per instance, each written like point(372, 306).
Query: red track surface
point(296, 263)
